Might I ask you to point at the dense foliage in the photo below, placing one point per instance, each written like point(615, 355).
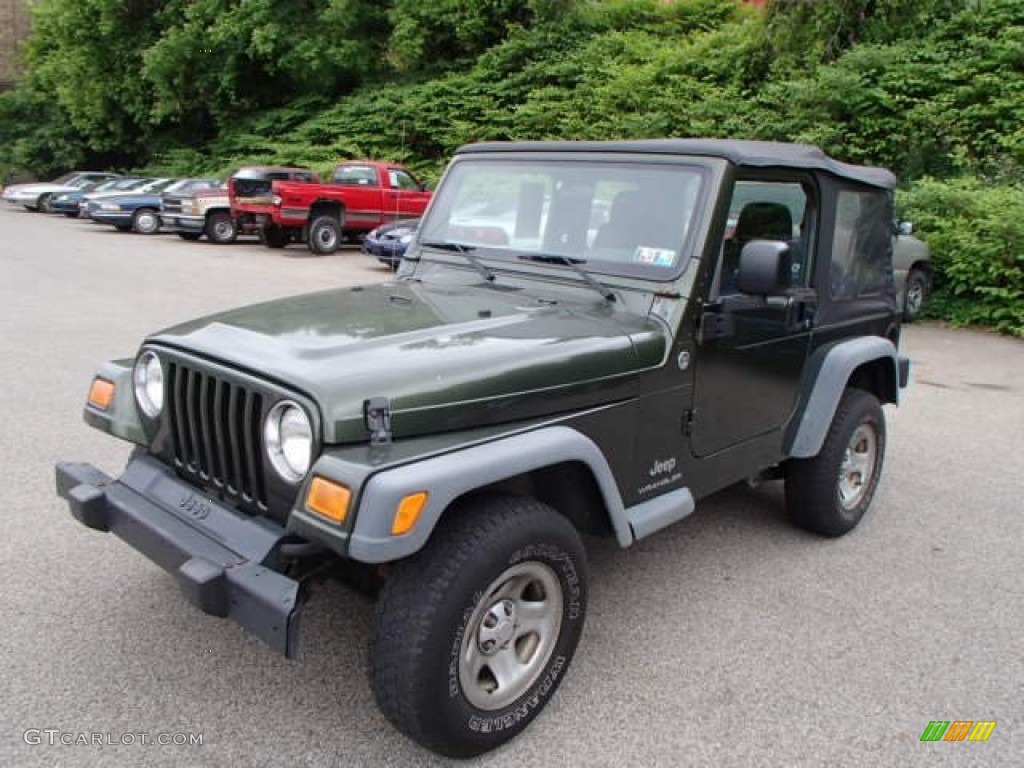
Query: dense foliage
point(975, 231)
point(933, 89)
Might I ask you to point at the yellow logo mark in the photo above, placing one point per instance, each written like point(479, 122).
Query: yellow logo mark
point(982, 730)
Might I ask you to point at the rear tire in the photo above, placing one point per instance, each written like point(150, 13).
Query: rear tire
point(474, 633)
point(914, 294)
point(325, 235)
point(274, 237)
point(829, 493)
point(220, 228)
point(146, 221)
point(43, 204)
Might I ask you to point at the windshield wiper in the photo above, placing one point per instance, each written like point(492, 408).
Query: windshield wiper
point(466, 251)
point(574, 264)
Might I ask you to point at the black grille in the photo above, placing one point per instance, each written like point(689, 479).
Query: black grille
point(215, 430)
point(171, 204)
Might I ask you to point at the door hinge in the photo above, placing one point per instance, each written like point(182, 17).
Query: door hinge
point(687, 423)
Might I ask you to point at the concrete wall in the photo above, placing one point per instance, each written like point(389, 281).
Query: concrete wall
point(13, 29)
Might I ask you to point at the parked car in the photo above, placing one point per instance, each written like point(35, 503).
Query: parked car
point(389, 242)
point(361, 196)
point(912, 272)
point(37, 196)
point(138, 210)
point(69, 203)
point(251, 194)
point(197, 212)
point(120, 187)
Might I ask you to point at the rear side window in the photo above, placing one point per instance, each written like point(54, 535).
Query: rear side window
point(356, 175)
point(862, 245)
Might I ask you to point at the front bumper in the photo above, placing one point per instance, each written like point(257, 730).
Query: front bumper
point(222, 559)
point(117, 218)
point(21, 198)
point(388, 252)
point(178, 222)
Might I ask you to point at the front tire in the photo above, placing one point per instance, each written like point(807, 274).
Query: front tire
point(146, 221)
point(474, 633)
point(220, 228)
point(325, 235)
point(829, 493)
point(914, 294)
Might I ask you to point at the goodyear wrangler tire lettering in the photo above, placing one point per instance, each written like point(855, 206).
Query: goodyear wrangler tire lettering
point(473, 634)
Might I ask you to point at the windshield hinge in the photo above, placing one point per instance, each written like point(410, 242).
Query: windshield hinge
point(377, 415)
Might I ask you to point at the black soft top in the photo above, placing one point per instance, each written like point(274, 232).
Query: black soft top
point(758, 154)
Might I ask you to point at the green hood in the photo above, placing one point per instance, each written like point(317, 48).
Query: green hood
point(448, 358)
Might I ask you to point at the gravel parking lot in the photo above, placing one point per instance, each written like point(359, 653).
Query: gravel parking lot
point(731, 639)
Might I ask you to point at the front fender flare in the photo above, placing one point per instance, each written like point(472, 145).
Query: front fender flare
point(449, 476)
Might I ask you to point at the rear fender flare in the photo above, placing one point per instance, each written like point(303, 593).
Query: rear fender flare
point(828, 374)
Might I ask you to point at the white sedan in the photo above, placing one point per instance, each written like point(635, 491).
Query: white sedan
point(37, 196)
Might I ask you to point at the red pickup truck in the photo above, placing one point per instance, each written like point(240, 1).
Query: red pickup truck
point(361, 196)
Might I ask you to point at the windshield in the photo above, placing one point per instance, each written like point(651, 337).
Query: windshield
point(184, 185)
point(621, 218)
point(156, 185)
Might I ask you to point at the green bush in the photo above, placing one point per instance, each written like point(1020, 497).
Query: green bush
point(928, 88)
point(976, 234)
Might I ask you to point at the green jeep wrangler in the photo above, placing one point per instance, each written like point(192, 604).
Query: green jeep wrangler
point(584, 338)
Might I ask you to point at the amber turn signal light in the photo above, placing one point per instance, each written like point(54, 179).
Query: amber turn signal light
point(328, 499)
point(408, 512)
point(101, 393)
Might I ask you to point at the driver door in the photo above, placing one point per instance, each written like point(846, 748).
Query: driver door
point(752, 349)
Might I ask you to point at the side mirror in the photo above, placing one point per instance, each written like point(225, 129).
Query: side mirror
point(906, 228)
point(764, 268)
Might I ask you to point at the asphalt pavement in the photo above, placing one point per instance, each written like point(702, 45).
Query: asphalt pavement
point(730, 639)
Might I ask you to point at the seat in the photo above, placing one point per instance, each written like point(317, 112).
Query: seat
point(764, 221)
point(626, 220)
point(566, 230)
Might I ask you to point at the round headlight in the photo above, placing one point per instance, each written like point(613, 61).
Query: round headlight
point(288, 437)
point(148, 377)
point(406, 238)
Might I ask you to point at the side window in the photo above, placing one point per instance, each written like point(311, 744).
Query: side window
point(356, 176)
point(862, 244)
point(399, 179)
point(768, 210)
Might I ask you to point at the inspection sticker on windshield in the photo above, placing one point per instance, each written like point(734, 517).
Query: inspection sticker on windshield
point(659, 257)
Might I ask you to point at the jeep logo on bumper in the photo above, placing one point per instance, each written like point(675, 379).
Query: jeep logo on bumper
point(194, 506)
